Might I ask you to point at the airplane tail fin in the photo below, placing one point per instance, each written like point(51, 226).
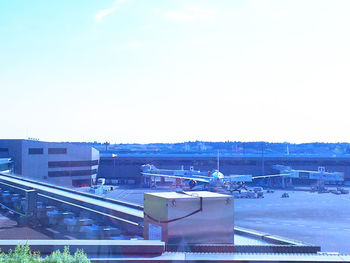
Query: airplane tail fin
point(218, 162)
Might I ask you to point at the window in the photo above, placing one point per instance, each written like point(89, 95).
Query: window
point(72, 173)
point(57, 151)
point(35, 151)
point(72, 163)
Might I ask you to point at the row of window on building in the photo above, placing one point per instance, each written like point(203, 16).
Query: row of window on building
point(72, 163)
point(50, 151)
point(40, 150)
point(71, 173)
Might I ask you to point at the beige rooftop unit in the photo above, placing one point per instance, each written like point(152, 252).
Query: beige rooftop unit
point(189, 217)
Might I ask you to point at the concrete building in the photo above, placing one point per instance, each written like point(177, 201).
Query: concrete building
point(65, 164)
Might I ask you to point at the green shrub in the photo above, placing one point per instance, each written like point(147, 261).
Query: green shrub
point(22, 254)
point(66, 257)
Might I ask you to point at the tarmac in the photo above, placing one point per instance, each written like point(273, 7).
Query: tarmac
point(318, 219)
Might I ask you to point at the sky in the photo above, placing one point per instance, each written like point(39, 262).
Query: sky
point(170, 71)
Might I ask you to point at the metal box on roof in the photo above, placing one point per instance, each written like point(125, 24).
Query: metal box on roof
point(189, 217)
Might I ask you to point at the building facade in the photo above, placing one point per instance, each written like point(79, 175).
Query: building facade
point(65, 164)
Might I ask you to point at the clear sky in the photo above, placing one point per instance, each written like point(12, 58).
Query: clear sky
point(171, 71)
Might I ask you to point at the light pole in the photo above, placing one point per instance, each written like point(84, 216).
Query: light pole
point(262, 158)
point(106, 144)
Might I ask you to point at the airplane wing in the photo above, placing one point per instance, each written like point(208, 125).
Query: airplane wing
point(248, 177)
point(269, 175)
point(239, 178)
point(196, 178)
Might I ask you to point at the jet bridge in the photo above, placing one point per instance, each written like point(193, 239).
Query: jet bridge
point(320, 176)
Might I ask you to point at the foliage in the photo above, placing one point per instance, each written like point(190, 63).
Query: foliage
point(22, 254)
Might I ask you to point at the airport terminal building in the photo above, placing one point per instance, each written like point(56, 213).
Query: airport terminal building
point(64, 164)
point(126, 168)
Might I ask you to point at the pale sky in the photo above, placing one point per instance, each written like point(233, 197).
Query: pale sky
point(172, 71)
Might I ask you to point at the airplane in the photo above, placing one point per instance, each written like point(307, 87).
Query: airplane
point(209, 179)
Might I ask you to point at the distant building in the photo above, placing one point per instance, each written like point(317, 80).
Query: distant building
point(65, 164)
